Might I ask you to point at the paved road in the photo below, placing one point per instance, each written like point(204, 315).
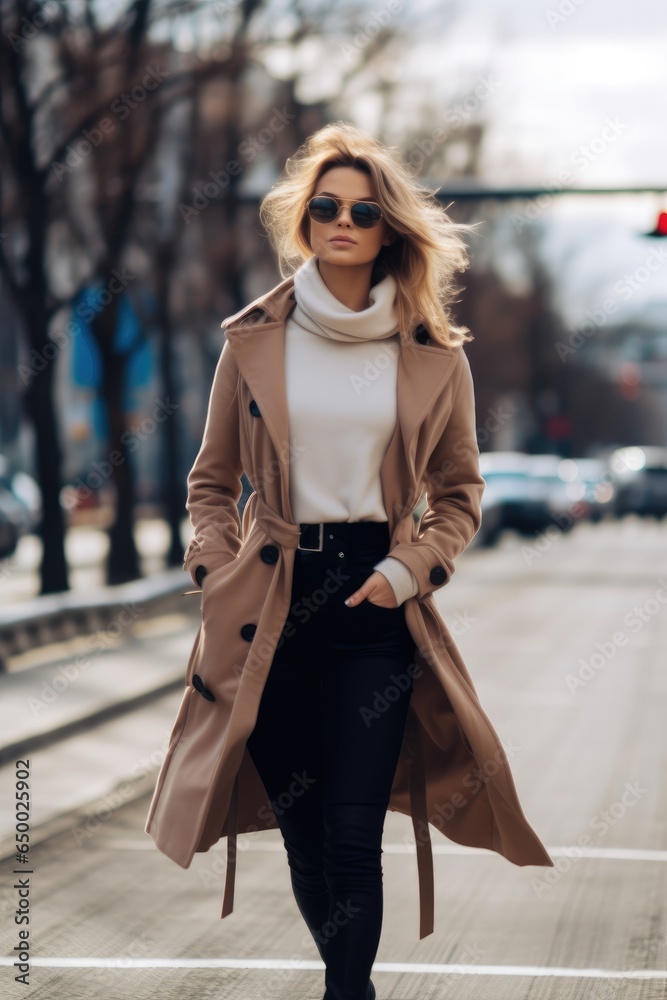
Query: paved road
point(565, 638)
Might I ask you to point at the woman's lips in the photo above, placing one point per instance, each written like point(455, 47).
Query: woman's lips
point(342, 239)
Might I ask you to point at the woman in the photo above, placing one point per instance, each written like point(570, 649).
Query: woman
point(331, 687)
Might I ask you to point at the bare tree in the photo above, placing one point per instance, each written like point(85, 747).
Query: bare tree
point(24, 206)
point(107, 89)
point(80, 142)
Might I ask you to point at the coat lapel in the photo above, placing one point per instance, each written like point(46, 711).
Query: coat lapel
point(259, 351)
point(259, 355)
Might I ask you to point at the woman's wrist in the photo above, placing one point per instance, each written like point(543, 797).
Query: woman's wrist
point(401, 578)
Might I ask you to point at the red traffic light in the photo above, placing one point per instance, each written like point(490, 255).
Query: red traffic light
point(660, 226)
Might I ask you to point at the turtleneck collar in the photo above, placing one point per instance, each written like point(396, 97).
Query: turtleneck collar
point(318, 310)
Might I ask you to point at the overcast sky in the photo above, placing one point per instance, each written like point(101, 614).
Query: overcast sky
point(561, 71)
point(563, 85)
point(562, 78)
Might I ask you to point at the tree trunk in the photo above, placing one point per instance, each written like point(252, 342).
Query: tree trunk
point(174, 492)
point(39, 404)
point(123, 558)
point(39, 400)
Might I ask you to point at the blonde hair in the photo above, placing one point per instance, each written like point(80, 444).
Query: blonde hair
point(428, 249)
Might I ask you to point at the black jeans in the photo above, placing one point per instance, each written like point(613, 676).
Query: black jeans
point(326, 745)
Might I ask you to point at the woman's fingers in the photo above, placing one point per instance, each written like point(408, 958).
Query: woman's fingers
point(377, 589)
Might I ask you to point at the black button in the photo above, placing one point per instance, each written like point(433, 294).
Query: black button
point(269, 553)
point(248, 631)
point(200, 573)
point(437, 574)
point(199, 685)
point(421, 334)
point(254, 408)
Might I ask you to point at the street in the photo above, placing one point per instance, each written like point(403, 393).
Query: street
point(565, 638)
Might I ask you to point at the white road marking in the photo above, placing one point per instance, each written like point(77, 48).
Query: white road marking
point(416, 968)
point(574, 851)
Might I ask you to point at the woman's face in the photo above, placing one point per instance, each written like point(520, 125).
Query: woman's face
point(356, 185)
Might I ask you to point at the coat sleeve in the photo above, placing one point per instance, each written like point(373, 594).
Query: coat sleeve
point(454, 488)
point(214, 482)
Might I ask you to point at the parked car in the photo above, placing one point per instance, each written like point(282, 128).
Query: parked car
point(547, 473)
point(513, 498)
point(9, 534)
point(590, 483)
point(20, 506)
point(640, 476)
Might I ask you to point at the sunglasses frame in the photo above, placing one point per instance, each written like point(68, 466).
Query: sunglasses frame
point(344, 201)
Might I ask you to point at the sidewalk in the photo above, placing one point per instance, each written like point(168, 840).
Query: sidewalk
point(93, 722)
point(79, 782)
point(86, 547)
point(92, 713)
point(93, 678)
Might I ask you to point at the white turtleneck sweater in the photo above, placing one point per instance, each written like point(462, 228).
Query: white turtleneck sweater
point(340, 371)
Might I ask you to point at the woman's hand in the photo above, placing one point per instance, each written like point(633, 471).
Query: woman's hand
point(377, 590)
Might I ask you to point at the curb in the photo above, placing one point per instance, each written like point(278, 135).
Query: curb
point(19, 748)
point(53, 617)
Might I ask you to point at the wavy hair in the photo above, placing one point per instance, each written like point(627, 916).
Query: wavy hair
point(428, 248)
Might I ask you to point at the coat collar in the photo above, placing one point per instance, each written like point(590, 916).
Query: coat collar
point(256, 336)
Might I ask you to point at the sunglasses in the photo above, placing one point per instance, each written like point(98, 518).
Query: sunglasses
point(365, 214)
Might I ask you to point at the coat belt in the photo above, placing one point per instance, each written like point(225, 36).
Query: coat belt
point(284, 532)
point(288, 534)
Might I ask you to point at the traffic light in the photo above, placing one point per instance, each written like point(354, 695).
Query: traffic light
point(660, 226)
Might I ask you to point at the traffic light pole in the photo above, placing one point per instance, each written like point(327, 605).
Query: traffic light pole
point(463, 190)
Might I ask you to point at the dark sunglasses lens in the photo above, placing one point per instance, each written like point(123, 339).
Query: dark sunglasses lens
point(323, 209)
point(366, 215)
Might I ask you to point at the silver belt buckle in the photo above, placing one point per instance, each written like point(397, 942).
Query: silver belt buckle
point(321, 541)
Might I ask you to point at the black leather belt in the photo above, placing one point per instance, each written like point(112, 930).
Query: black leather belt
point(328, 534)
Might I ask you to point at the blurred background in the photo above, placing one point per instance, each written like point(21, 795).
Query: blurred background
point(136, 141)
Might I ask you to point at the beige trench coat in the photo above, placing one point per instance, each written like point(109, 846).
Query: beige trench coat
point(453, 773)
